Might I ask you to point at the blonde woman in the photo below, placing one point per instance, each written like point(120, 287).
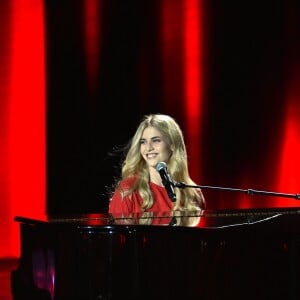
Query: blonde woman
point(158, 138)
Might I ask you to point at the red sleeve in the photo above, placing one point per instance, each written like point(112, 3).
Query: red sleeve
point(119, 205)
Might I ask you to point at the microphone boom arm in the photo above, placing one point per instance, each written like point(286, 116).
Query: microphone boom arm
point(250, 192)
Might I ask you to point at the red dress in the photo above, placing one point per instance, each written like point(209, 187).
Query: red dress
point(131, 204)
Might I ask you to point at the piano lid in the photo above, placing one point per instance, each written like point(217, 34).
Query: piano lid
point(209, 219)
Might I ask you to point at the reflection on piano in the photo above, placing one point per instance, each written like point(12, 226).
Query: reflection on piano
point(237, 254)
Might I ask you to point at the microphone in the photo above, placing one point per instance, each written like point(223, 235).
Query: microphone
point(168, 183)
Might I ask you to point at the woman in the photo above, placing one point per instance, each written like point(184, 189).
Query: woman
point(158, 138)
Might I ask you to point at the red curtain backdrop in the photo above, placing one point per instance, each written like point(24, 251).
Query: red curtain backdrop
point(182, 26)
point(23, 143)
point(92, 30)
point(185, 65)
point(289, 159)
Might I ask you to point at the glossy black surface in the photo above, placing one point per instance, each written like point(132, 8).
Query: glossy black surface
point(238, 254)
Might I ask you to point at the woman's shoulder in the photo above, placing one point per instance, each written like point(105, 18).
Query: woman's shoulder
point(128, 182)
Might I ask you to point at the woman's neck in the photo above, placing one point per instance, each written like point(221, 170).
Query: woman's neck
point(155, 177)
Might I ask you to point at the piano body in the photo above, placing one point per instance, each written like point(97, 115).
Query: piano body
point(238, 254)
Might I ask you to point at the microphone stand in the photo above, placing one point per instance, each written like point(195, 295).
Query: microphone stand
point(250, 192)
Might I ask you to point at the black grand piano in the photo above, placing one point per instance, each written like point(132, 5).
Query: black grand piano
point(236, 254)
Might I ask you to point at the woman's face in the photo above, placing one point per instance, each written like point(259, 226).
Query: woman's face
point(154, 147)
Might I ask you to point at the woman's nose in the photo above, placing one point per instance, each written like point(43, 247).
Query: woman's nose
point(150, 146)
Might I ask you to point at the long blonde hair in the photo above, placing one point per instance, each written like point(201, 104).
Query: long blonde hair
point(135, 166)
